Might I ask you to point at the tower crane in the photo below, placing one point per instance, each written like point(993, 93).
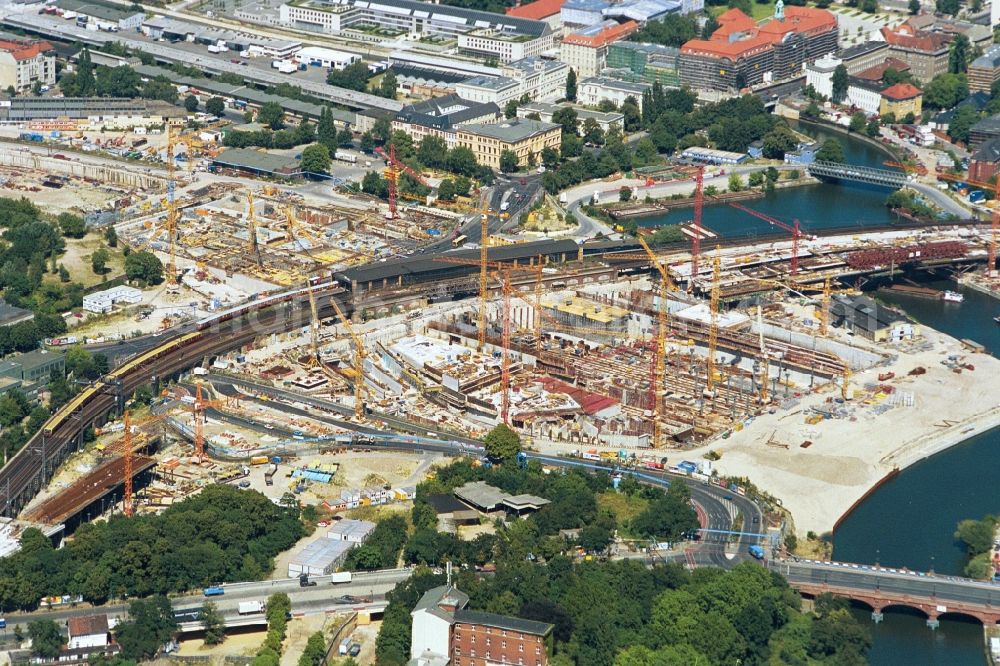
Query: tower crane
point(793, 229)
point(696, 239)
point(172, 213)
point(763, 355)
point(359, 361)
point(713, 328)
point(392, 170)
point(127, 459)
point(660, 358)
point(991, 260)
point(252, 229)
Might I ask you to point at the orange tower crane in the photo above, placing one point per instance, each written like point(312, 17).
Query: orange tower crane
point(696, 239)
point(172, 213)
point(793, 229)
point(359, 362)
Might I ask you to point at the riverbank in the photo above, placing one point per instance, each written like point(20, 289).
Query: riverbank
point(848, 456)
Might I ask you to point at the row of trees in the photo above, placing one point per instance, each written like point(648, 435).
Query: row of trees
point(221, 534)
point(625, 614)
point(101, 81)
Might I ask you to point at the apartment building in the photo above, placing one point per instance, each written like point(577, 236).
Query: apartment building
point(586, 50)
point(524, 137)
point(540, 78)
point(864, 56)
point(22, 63)
point(592, 91)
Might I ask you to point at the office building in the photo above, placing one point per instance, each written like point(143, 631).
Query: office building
point(863, 56)
point(545, 111)
point(985, 163)
point(925, 52)
point(647, 63)
point(30, 372)
point(489, 90)
point(819, 74)
point(506, 38)
point(586, 51)
point(440, 116)
point(592, 91)
point(524, 137)
point(901, 99)
point(984, 71)
point(23, 63)
point(741, 53)
point(540, 78)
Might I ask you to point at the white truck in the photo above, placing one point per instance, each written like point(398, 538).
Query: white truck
point(340, 577)
point(345, 156)
point(214, 48)
point(251, 607)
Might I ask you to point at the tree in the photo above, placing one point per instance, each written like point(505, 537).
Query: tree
point(215, 106)
point(46, 639)
point(673, 30)
point(315, 650)
point(508, 161)
point(755, 179)
point(213, 623)
point(711, 25)
point(779, 141)
point(272, 115)
point(326, 131)
point(873, 128)
point(948, 6)
point(315, 158)
point(571, 85)
point(963, 120)
point(374, 184)
point(99, 260)
point(502, 443)
point(735, 182)
point(151, 623)
point(831, 151)
point(566, 116)
point(111, 236)
point(976, 534)
point(839, 83)
point(433, 152)
point(510, 109)
point(191, 103)
point(144, 266)
point(85, 82)
point(858, 122)
point(387, 86)
point(946, 90)
point(914, 7)
point(958, 54)
point(592, 133)
point(625, 194)
point(72, 226)
point(869, 6)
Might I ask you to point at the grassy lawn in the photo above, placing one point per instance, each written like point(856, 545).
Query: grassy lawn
point(624, 507)
point(76, 259)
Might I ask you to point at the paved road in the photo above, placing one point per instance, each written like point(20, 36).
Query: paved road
point(373, 585)
point(941, 589)
point(59, 28)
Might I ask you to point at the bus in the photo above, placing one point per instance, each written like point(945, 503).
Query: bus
point(459, 241)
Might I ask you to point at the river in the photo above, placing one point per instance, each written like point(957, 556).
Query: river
point(909, 521)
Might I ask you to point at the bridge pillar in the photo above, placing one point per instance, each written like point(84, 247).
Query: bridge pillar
point(877, 616)
point(933, 623)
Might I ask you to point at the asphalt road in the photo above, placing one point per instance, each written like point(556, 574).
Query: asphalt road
point(371, 585)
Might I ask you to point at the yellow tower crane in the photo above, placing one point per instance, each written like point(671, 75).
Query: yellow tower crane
point(172, 213)
point(484, 244)
point(713, 327)
point(252, 244)
point(666, 285)
point(359, 362)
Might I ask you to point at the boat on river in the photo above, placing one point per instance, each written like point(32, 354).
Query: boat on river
point(953, 297)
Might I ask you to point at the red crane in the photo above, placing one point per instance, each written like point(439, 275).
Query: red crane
point(393, 168)
point(793, 229)
point(699, 179)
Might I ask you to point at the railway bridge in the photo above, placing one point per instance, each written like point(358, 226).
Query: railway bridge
point(881, 587)
point(860, 174)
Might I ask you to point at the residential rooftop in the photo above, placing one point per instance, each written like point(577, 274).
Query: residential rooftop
point(513, 131)
point(532, 627)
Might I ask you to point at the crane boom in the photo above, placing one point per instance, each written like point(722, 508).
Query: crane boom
point(359, 360)
point(660, 358)
point(793, 229)
point(713, 328)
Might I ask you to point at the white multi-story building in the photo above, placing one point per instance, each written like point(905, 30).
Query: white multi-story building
point(866, 95)
point(316, 55)
point(819, 74)
point(22, 63)
point(88, 631)
point(486, 89)
point(541, 79)
point(590, 92)
point(104, 301)
point(506, 38)
point(433, 618)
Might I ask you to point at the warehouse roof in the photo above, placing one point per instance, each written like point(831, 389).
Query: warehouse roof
point(10, 314)
point(445, 112)
point(101, 11)
point(321, 553)
point(537, 10)
point(257, 160)
point(503, 622)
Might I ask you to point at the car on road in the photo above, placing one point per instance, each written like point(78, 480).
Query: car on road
point(351, 599)
point(355, 650)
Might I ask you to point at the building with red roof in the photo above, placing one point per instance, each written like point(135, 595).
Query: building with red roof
point(742, 53)
point(586, 50)
point(901, 99)
point(925, 52)
point(539, 10)
point(23, 63)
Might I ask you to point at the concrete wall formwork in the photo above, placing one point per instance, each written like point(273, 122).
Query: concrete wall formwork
point(106, 174)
